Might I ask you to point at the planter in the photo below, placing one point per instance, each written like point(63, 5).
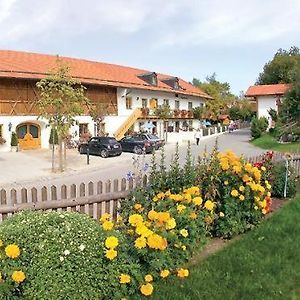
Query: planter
point(14, 148)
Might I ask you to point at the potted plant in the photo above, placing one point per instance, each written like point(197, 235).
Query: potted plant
point(145, 111)
point(14, 142)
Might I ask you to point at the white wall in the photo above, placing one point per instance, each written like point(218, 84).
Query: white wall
point(264, 103)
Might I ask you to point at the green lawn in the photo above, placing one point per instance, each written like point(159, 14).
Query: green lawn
point(263, 264)
point(268, 142)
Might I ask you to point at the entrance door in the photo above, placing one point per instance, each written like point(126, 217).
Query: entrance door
point(29, 136)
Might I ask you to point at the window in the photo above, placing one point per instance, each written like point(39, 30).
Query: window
point(144, 103)
point(1, 131)
point(166, 102)
point(190, 123)
point(83, 128)
point(190, 105)
point(128, 103)
point(153, 103)
point(177, 105)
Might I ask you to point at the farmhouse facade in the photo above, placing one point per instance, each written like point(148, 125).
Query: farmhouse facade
point(125, 97)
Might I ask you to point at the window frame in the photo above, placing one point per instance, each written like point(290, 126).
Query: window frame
point(128, 102)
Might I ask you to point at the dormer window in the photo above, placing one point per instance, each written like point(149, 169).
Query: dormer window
point(150, 78)
point(173, 82)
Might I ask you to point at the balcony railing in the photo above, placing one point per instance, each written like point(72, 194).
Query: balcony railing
point(175, 113)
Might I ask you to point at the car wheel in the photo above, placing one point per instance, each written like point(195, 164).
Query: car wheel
point(104, 153)
point(119, 154)
point(81, 150)
point(137, 150)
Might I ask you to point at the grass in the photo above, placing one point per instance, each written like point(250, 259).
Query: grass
point(263, 264)
point(268, 142)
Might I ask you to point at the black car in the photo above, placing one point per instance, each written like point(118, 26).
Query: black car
point(153, 139)
point(103, 146)
point(136, 144)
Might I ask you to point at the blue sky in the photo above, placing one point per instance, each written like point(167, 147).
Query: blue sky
point(185, 38)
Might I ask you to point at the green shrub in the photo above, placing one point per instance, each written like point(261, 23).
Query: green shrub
point(53, 137)
point(258, 127)
point(278, 177)
point(62, 257)
point(14, 140)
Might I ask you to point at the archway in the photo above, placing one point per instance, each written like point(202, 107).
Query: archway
point(29, 136)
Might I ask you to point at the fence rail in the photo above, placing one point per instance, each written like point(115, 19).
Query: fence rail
point(90, 198)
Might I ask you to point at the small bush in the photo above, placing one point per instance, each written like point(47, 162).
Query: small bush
point(53, 139)
point(258, 127)
point(14, 140)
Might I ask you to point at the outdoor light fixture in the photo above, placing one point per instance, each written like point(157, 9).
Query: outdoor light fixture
point(9, 126)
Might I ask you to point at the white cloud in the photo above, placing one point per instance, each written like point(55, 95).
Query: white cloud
point(170, 22)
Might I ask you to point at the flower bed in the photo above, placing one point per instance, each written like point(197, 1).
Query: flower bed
point(70, 256)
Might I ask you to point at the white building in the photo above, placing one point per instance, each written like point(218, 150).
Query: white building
point(267, 96)
point(126, 98)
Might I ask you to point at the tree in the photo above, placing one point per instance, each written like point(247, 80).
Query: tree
point(220, 91)
point(164, 113)
point(281, 68)
point(61, 99)
point(241, 110)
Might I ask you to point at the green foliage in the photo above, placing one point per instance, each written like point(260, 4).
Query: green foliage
point(14, 139)
point(278, 177)
point(281, 68)
point(53, 139)
point(258, 127)
point(163, 112)
point(198, 112)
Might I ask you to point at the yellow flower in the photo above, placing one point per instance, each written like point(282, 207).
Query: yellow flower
point(1, 279)
point(234, 193)
point(208, 220)
point(183, 247)
point(148, 278)
point(1, 243)
point(268, 194)
point(226, 182)
point(221, 214)
point(18, 276)
point(256, 207)
point(164, 273)
point(241, 188)
point(147, 289)
point(171, 224)
point(197, 201)
point(248, 167)
point(163, 217)
point(155, 241)
point(182, 273)
point(180, 208)
point(12, 251)
point(237, 169)
point(264, 211)
point(263, 168)
point(184, 232)
point(124, 278)
point(242, 197)
point(105, 217)
point(140, 243)
point(111, 254)
point(138, 206)
point(246, 178)
point(193, 215)
point(143, 230)
point(108, 225)
point(135, 219)
point(111, 242)
point(152, 215)
point(209, 205)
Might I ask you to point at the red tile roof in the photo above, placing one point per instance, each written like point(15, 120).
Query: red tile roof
point(267, 89)
point(25, 65)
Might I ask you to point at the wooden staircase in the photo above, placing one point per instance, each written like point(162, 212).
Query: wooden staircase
point(120, 132)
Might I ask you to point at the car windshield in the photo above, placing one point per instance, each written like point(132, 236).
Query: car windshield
point(109, 140)
point(153, 137)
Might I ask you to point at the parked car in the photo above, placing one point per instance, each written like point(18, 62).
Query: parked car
point(103, 146)
point(153, 139)
point(136, 144)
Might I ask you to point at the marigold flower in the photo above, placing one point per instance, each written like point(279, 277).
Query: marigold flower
point(12, 251)
point(111, 254)
point(209, 205)
point(234, 193)
point(197, 201)
point(111, 242)
point(108, 225)
point(124, 278)
point(138, 206)
point(152, 215)
point(156, 241)
point(135, 219)
point(164, 273)
point(241, 188)
point(184, 232)
point(148, 278)
point(163, 217)
point(181, 208)
point(18, 276)
point(208, 220)
point(226, 182)
point(147, 289)
point(140, 243)
point(1, 243)
point(242, 197)
point(193, 215)
point(221, 214)
point(171, 224)
point(105, 217)
point(263, 168)
point(182, 273)
point(183, 247)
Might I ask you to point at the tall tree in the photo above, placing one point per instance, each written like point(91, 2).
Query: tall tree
point(281, 68)
point(62, 98)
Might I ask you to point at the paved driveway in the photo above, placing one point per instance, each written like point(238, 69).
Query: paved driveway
point(32, 168)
